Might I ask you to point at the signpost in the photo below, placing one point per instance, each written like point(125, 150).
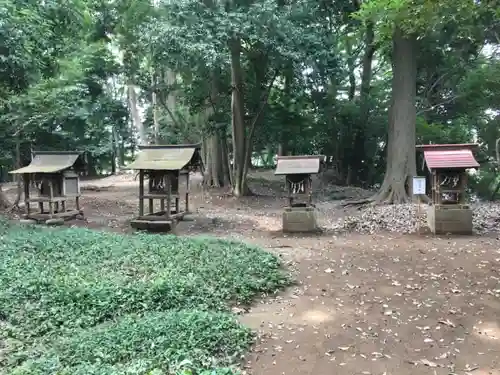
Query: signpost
point(418, 188)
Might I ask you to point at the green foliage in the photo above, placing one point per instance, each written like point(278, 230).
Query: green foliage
point(163, 343)
point(83, 302)
point(65, 67)
point(484, 183)
point(422, 16)
point(458, 131)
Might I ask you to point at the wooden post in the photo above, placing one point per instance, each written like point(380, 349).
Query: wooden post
point(309, 188)
point(463, 187)
point(187, 192)
point(40, 204)
point(51, 196)
point(169, 195)
point(150, 188)
point(26, 182)
point(418, 216)
point(141, 192)
point(289, 191)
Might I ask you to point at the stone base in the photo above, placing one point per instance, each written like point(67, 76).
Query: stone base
point(449, 219)
point(299, 219)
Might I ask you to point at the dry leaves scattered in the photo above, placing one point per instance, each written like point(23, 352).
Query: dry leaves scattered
point(403, 219)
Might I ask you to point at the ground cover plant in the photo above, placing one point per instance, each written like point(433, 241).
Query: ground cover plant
point(76, 301)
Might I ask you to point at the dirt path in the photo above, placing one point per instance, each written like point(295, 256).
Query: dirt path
point(363, 304)
point(381, 304)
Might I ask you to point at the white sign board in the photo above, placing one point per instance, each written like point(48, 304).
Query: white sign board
point(418, 185)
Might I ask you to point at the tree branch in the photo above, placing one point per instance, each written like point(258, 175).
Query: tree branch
point(170, 113)
point(263, 103)
point(438, 105)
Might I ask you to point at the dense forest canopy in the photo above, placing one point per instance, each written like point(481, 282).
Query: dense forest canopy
point(361, 81)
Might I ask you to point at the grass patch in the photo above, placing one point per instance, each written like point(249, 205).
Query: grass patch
point(76, 301)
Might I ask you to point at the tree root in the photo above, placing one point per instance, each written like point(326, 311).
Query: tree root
point(359, 202)
point(389, 197)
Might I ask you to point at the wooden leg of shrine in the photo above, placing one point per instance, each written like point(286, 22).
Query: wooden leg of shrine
point(51, 196)
point(141, 192)
point(162, 205)
point(187, 192)
point(27, 193)
point(169, 197)
point(63, 206)
point(177, 206)
point(151, 203)
point(40, 206)
point(77, 202)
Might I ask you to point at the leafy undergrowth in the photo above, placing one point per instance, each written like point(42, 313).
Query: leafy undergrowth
point(76, 301)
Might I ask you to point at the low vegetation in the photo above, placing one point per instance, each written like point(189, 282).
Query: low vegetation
point(77, 301)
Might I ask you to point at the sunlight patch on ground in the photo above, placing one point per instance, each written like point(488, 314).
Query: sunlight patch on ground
point(487, 330)
point(316, 316)
point(486, 372)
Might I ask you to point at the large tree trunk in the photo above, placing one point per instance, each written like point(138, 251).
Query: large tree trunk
point(134, 112)
point(243, 135)
point(401, 160)
point(240, 187)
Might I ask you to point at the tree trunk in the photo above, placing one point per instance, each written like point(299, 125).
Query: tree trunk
point(360, 160)
point(154, 104)
point(283, 146)
point(19, 178)
point(170, 80)
point(217, 172)
point(214, 177)
point(401, 160)
point(134, 112)
point(240, 187)
point(4, 200)
point(351, 65)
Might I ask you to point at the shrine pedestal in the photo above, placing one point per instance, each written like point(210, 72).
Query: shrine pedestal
point(299, 219)
point(454, 219)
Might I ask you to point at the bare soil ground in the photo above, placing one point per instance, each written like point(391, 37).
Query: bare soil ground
point(363, 304)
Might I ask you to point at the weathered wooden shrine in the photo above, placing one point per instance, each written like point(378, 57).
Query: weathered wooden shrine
point(447, 165)
point(56, 177)
point(299, 215)
point(164, 167)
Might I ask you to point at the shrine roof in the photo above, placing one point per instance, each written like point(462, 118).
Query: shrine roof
point(306, 164)
point(449, 156)
point(49, 162)
point(166, 157)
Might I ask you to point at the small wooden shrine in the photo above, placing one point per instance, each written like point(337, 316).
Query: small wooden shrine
point(447, 165)
point(299, 216)
point(56, 177)
point(164, 167)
